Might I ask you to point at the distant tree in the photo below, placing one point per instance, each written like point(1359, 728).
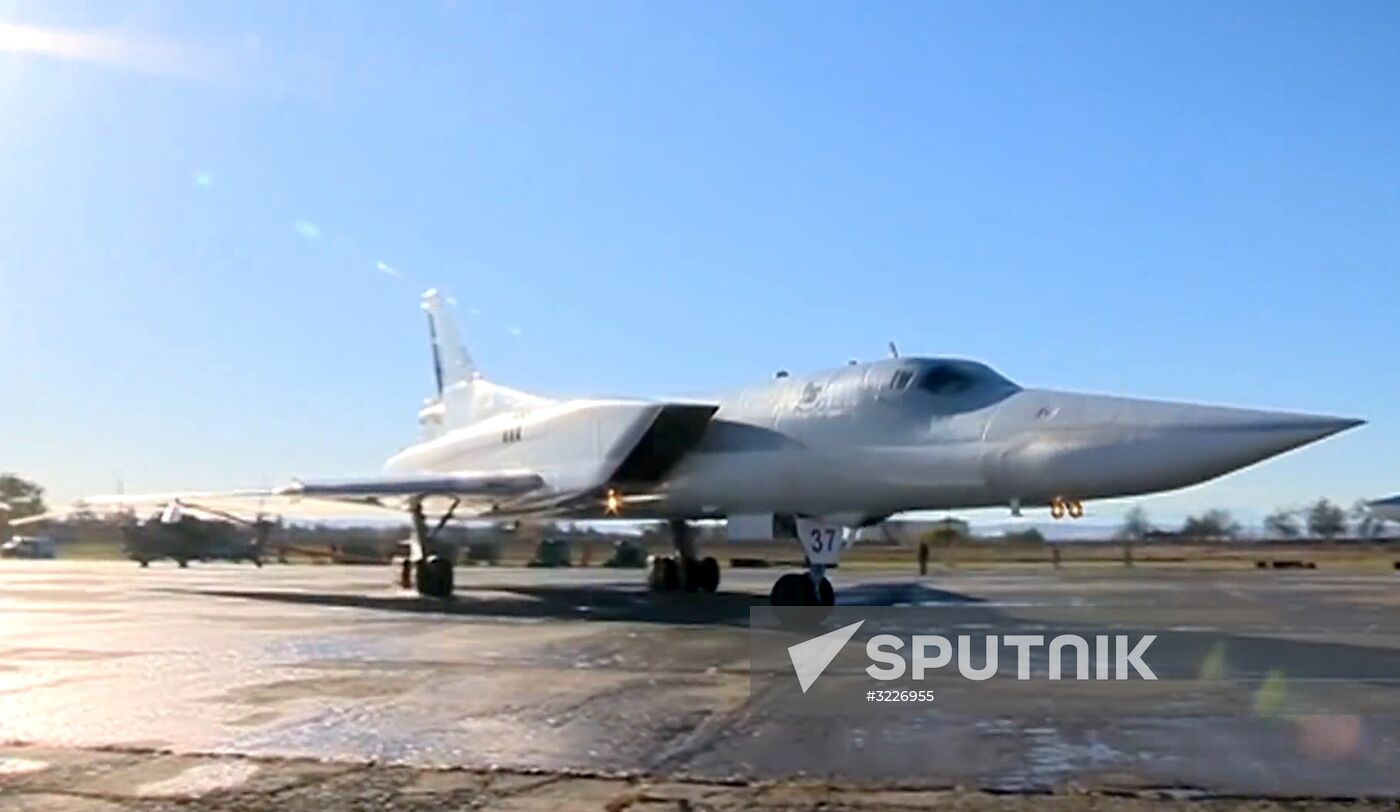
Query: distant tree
point(1326, 520)
point(1030, 535)
point(81, 513)
point(1213, 524)
point(945, 535)
point(1366, 524)
point(1135, 525)
point(20, 497)
point(1283, 524)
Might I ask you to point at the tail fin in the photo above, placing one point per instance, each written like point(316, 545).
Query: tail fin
point(463, 396)
point(451, 362)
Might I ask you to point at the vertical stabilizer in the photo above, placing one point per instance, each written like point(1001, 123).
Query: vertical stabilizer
point(451, 362)
point(463, 396)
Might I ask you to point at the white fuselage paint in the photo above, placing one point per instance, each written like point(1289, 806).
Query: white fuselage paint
point(849, 442)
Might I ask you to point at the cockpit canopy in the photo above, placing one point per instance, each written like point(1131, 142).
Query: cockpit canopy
point(949, 379)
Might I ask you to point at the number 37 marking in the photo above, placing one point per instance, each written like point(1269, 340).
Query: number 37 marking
point(821, 541)
point(824, 540)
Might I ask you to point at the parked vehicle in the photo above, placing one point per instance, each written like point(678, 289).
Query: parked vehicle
point(628, 555)
point(551, 553)
point(29, 547)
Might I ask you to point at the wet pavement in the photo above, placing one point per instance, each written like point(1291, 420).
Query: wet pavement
point(585, 674)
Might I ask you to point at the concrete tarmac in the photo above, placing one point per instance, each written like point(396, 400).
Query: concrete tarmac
point(192, 682)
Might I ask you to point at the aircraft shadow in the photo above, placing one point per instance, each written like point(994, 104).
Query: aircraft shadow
point(578, 602)
point(1250, 652)
point(538, 602)
point(900, 593)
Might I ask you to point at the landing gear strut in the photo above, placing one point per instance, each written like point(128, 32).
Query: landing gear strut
point(686, 571)
point(426, 566)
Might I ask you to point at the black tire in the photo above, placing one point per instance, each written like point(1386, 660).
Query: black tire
point(689, 574)
point(670, 580)
point(708, 573)
point(447, 578)
point(826, 594)
point(424, 579)
point(435, 577)
point(794, 598)
point(183, 564)
point(793, 589)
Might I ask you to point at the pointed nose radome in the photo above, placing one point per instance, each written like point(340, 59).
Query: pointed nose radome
point(1260, 435)
point(1317, 428)
point(1312, 426)
point(1197, 443)
point(1094, 446)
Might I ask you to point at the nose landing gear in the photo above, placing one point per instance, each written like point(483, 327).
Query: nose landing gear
point(822, 544)
point(803, 589)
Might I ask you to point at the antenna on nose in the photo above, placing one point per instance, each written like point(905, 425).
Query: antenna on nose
point(894, 351)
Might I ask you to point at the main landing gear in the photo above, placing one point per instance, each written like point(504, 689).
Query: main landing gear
point(426, 567)
point(685, 571)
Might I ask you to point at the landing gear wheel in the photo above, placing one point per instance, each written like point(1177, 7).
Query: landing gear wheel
point(435, 577)
point(797, 601)
point(425, 579)
point(665, 574)
point(793, 589)
point(707, 573)
point(826, 595)
point(689, 570)
point(670, 574)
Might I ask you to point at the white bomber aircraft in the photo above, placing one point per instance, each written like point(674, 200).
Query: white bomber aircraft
point(810, 456)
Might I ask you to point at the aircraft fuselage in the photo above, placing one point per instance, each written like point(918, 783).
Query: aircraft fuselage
point(867, 440)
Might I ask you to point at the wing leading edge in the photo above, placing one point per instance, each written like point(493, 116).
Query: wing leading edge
point(472, 485)
point(373, 497)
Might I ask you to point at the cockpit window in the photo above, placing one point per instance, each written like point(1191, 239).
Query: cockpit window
point(901, 379)
point(945, 379)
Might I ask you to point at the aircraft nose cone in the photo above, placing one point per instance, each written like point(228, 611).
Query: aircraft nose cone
point(1097, 446)
point(1267, 433)
point(1201, 442)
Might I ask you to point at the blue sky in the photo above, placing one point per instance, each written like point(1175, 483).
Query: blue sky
point(198, 202)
